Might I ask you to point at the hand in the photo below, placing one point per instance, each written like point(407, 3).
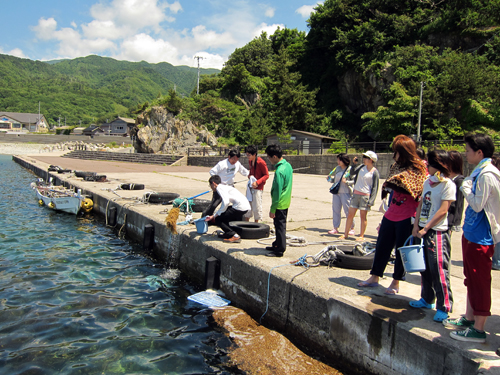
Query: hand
point(344, 180)
point(271, 215)
point(208, 218)
point(419, 233)
point(255, 184)
point(414, 232)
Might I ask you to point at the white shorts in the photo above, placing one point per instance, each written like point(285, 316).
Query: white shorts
point(256, 205)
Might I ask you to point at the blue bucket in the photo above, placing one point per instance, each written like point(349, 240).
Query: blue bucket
point(413, 256)
point(201, 225)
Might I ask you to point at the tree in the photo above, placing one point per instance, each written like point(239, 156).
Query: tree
point(286, 101)
point(395, 118)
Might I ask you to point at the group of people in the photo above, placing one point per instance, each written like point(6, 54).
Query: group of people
point(426, 196)
point(235, 206)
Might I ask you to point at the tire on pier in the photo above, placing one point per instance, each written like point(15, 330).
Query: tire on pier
point(248, 230)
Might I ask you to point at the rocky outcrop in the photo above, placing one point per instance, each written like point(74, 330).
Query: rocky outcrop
point(159, 131)
point(362, 94)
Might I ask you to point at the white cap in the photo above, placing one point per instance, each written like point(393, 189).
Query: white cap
point(371, 155)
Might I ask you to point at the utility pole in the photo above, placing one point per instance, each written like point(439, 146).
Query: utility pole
point(198, 83)
point(420, 112)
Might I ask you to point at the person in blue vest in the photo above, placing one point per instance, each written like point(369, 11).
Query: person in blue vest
point(481, 230)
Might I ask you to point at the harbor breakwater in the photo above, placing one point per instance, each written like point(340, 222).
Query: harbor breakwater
point(364, 333)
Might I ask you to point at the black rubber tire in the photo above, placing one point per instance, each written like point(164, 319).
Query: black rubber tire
point(63, 170)
point(354, 262)
point(82, 174)
point(132, 186)
point(53, 168)
point(248, 230)
point(200, 205)
point(162, 198)
point(96, 178)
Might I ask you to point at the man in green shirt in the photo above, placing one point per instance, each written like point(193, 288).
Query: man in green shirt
point(281, 195)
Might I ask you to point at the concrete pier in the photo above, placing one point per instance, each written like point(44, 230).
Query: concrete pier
point(322, 308)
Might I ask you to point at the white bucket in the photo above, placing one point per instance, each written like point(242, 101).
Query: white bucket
point(413, 256)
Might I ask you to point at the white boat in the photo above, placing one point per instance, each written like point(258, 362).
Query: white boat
point(61, 199)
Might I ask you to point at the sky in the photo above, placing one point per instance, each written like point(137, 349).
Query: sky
point(150, 30)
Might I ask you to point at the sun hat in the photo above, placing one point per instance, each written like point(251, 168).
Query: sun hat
point(371, 155)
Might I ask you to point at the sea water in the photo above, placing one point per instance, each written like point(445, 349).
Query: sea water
point(76, 299)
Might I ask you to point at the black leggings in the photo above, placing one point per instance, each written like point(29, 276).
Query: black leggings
point(391, 234)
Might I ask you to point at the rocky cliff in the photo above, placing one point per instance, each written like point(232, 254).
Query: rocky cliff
point(159, 131)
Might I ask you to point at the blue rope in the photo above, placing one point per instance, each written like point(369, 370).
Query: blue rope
point(301, 261)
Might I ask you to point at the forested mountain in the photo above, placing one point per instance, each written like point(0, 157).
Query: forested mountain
point(359, 70)
point(357, 74)
point(90, 89)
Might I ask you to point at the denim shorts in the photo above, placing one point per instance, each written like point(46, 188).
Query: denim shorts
point(360, 202)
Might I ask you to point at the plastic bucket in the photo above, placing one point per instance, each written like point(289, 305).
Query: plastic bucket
point(201, 225)
point(413, 256)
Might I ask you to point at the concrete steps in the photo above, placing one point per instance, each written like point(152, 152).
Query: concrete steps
point(123, 157)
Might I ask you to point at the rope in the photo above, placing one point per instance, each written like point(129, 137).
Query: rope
point(303, 263)
point(294, 241)
point(124, 223)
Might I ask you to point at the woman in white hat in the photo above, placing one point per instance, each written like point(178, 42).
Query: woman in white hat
point(365, 191)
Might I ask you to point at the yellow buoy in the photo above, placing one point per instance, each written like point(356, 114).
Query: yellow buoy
point(52, 205)
point(40, 202)
point(87, 205)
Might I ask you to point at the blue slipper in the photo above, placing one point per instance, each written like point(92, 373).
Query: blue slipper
point(421, 304)
point(440, 316)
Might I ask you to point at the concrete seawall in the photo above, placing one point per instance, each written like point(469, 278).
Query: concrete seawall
point(320, 308)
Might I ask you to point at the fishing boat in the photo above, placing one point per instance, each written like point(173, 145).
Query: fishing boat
point(61, 199)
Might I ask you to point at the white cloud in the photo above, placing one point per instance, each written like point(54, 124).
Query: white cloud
point(306, 10)
point(208, 38)
point(144, 47)
point(136, 14)
point(104, 29)
point(269, 12)
point(269, 29)
point(138, 30)
point(45, 29)
point(17, 52)
point(71, 44)
point(175, 7)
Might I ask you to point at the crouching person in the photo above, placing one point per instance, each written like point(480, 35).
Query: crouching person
point(234, 206)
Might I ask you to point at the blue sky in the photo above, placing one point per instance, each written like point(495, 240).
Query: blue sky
point(152, 30)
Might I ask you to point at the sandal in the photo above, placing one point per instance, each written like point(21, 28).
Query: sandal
point(365, 284)
point(391, 291)
point(359, 239)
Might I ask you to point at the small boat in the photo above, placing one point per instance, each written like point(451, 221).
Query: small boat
point(61, 199)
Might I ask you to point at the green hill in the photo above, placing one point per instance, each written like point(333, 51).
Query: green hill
point(88, 89)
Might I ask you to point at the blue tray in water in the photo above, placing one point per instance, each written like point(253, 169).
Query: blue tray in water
point(210, 299)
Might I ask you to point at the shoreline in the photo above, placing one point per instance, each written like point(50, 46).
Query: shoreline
point(21, 148)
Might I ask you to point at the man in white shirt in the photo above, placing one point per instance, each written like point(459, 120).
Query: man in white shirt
point(234, 206)
point(226, 169)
